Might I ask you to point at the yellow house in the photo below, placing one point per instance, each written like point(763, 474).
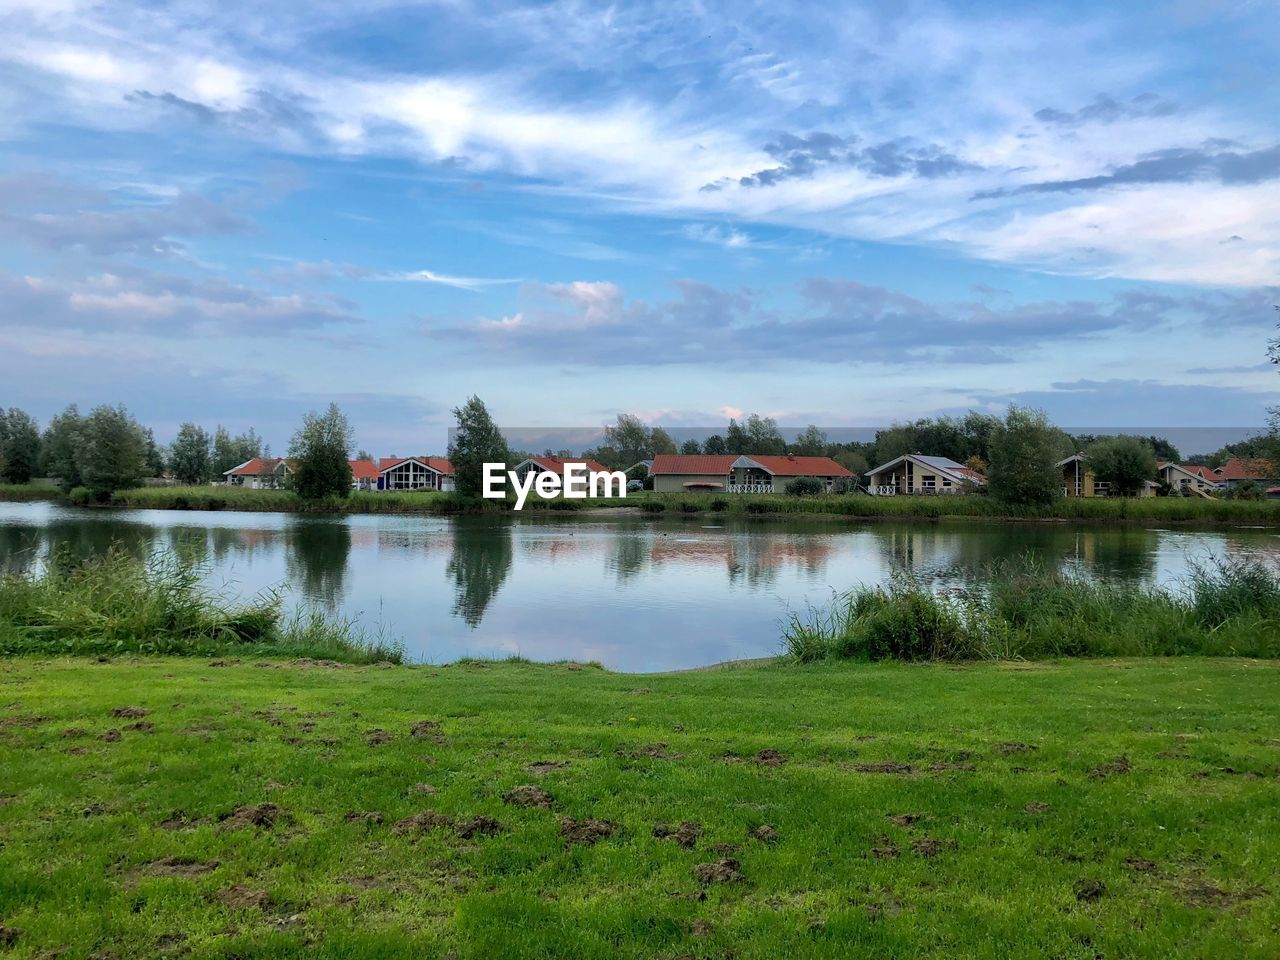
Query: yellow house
point(1078, 479)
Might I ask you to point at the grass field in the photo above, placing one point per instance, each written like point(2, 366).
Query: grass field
point(858, 506)
point(176, 807)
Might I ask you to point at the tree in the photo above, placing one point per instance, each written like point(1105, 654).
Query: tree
point(691, 448)
point(628, 439)
point(113, 451)
point(659, 442)
point(321, 451)
point(715, 446)
point(189, 457)
point(20, 453)
point(229, 452)
point(155, 458)
point(1024, 451)
point(853, 461)
point(763, 436)
point(475, 442)
point(365, 455)
point(62, 439)
point(735, 439)
point(1124, 462)
point(811, 442)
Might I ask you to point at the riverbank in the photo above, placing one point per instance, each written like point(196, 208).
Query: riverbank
point(161, 805)
point(1156, 510)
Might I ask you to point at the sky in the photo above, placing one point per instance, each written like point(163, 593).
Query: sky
point(842, 214)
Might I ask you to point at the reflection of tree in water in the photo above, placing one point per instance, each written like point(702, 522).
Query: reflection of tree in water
point(631, 548)
point(20, 548)
point(479, 565)
point(317, 559)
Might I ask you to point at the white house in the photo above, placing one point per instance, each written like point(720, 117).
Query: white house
point(415, 473)
point(915, 473)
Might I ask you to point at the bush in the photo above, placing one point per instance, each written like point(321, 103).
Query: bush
point(80, 497)
point(805, 487)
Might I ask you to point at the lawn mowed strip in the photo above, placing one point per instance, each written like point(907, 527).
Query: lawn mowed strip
point(181, 807)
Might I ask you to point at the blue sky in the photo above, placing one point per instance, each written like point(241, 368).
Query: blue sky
point(842, 214)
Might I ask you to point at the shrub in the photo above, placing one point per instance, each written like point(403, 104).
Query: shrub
point(805, 487)
point(80, 497)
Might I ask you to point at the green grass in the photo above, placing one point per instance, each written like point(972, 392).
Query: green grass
point(239, 498)
point(27, 492)
point(125, 845)
point(1024, 610)
point(116, 603)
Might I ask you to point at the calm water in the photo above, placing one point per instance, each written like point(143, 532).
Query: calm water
point(633, 593)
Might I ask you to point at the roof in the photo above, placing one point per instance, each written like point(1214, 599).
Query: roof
point(680, 463)
point(257, 467)
point(438, 464)
point(792, 466)
point(364, 470)
point(1238, 468)
point(1194, 469)
point(556, 464)
point(944, 465)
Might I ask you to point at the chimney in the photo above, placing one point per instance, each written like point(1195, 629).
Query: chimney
point(791, 457)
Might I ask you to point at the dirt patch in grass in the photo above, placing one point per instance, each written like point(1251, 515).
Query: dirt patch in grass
point(765, 833)
point(370, 817)
point(930, 846)
point(243, 897)
point(423, 790)
point(478, 826)
point(427, 730)
point(541, 767)
point(422, 822)
point(770, 758)
point(178, 867)
point(886, 849)
point(263, 815)
point(654, 751)
point(111, 736)
point(1199, 892)
point(1015, 746)
point(72, 733)
point(686, 835)
point(9, 935)
point(1140, 864)
point(141, 726)
point(527, 795)
point(945, 766)
point(885, 766)
point(376, 738)
point(1111, 768)
point(905, 820)
point(1089, 890)
point(724, 870)
point(587, 831)
point(1037, 806)
point(130, 713)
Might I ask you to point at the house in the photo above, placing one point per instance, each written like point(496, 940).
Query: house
point(740, 473)
point(415, 473)
point(1078, 479)
point(260, 473)
point(917, 473)
point(1189, 478)
point(1239, 470)
point(536, 465)
point(364, 475)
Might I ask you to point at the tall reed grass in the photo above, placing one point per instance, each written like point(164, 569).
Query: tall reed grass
point(1024, 610)
point(116, 603)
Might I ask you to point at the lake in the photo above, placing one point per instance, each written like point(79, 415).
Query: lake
point(634, 593)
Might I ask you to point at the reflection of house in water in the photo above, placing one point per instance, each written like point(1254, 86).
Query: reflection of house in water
point(751, 556)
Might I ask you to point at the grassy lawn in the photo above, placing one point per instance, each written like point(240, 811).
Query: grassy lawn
point(263, 809)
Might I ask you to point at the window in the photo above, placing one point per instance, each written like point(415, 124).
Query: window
point(928, 481)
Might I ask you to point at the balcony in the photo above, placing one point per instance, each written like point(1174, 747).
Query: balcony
point(751, 488)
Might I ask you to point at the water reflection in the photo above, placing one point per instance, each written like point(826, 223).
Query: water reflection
point(632, 592)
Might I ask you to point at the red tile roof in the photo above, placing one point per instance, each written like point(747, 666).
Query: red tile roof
point(439, 464)
point(789, 466)
point(257, 467)
point(715, 465)
point(364, 470)
point(556, 464)
point(1238, 468)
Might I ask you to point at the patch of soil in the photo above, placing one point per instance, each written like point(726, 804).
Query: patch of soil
point(1015, 746)
point(72, 732)
point(179, 821)
point(1089, 890)
point(1112, 767)
point(9, 935)
point(527, 795)
point(930, 846)
point(242, 897)
point(945, 765)
point(585, 831)
point(887, 850)
point(427, 730)
point(1037, 806)
point(370, 817)
point(477, 826)
point(178, 867)
point(701, 928)
point(376, 738)
point(1199, 892)
point(725, 847)
point(1140, 864)
point(765, 833)
point(655, 751)
point(540, 767)
point(422, 822)
point(905, 820)
point(686, 835)
point(770, 758)
point(111, 736)
point(262, 815)
point(130, 713)
point(724, 870)
point(641, 691)
point(94, 810)
point(142, 726)
point(885, 766)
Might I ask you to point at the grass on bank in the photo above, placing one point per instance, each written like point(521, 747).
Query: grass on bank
point(1025, 610)
point(116, 603)
point(1069, 809)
